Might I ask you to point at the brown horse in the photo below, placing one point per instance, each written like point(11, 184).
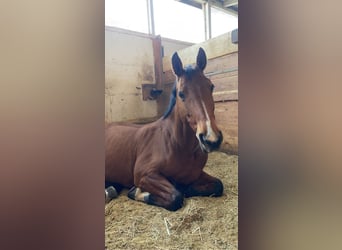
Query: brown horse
point(163, 161)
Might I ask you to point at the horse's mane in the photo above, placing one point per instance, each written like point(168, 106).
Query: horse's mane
point(172, 102)
point(188, 71)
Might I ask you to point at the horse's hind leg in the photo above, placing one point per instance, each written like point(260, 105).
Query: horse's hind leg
point(111, 191)
point(155, 189)
point(205, 185)
point(117, 186)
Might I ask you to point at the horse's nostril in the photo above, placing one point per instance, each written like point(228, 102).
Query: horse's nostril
point(213, 144)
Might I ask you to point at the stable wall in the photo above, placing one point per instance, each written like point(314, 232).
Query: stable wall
point(130, 62)
point(134, 59)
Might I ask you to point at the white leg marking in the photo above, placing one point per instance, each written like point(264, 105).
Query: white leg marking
point(139, 196)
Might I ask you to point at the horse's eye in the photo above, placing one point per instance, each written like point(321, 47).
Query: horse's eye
point(212, 87)
point(181, 95)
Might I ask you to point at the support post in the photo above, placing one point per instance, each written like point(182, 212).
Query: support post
point(206, 7)
point(150, 17)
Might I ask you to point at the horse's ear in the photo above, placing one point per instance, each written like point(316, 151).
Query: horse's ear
point(201, 59)
point(177, 65)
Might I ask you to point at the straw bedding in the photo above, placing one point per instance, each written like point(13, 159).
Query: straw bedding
point(202, 223)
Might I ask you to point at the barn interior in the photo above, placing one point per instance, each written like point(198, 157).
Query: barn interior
point(138, 83)
point(137, 65)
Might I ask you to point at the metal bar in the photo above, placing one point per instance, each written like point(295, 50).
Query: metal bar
point(228, 3)
point(217, 5)
point(150, 17)
point(204, 9)
point(207, 19)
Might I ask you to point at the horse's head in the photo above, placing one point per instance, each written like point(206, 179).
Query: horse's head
point(195, 103)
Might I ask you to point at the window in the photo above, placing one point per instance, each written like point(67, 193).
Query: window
point(222, 22)
point(172, 19)
point(131, 15)
point(178, 21)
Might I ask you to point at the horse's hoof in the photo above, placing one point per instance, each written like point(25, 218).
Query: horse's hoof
point(177, 203)
point(110, 193)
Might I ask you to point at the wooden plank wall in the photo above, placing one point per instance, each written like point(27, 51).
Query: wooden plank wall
point(222, 70)
point(214, 47)
point(226, 114)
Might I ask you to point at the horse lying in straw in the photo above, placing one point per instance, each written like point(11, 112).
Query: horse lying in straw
point(162, 162)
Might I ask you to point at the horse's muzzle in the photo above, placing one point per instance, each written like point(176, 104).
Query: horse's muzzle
point(208, 145)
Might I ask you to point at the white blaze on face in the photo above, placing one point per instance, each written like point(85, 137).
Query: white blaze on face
point(210, 136)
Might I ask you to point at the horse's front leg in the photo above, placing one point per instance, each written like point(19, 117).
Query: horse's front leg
point(155, 189)
point(205, 185)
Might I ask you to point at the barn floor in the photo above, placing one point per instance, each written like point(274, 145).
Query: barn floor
point(203, 223)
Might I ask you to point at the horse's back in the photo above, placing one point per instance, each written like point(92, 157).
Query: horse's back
point(120, 153)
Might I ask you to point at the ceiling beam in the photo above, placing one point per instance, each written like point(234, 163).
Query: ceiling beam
point(228, 3)
point(217, 4)
point(196, 4)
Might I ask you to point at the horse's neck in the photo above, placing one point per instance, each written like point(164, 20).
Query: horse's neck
point(181, 132)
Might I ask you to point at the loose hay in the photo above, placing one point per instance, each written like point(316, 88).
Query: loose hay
point(202, 223)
